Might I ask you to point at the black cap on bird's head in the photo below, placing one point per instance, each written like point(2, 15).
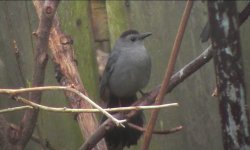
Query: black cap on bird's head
point(128, 32)
point(134, 35)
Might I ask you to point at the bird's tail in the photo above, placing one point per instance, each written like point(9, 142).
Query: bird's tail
point(119, 137)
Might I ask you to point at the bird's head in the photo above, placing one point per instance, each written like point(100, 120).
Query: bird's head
point(132, 37)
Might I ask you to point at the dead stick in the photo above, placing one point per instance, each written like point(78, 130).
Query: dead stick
point(168, 74)
point(163, 132)
point(29, 119)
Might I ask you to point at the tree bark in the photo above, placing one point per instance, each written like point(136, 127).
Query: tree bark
point(68, 75)
point(224, 23)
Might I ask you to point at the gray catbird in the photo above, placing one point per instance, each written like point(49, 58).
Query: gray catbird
point(127, 71)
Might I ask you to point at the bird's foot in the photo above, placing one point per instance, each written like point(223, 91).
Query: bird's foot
point(143, 93)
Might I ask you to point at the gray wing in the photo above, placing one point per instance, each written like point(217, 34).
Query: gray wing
point(108, 71)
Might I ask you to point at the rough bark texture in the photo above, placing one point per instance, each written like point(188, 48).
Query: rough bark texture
point(41, 57)
point(223, 18)
point(67, 75)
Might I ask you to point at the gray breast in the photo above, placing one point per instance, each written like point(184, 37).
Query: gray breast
point(131, 72)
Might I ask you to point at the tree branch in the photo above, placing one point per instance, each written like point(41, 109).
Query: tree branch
point(15, 109)
point(69, 89)
point(243, 15)
point(32, 105)
point(163, 132)
point(30, 117)
point(18, 61)
point(225, 37)
point(67, 75)
point(169, 71)
point(43, 142)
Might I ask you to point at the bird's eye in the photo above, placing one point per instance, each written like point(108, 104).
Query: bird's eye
point(133, 39)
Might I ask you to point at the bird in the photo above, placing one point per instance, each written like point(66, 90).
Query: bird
point(127, 72)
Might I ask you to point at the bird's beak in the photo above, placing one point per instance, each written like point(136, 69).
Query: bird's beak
point(144, 35)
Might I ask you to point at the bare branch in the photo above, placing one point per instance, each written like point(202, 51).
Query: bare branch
point(168, 74)
point(243, 15)
point(15, 109)
point(163, 132)
point(18, 61)
point(16, 91)
point(30, 117)
point(67, 75)
point(32, 105)
point(43, 142)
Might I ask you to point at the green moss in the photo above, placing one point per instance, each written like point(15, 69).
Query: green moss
point(116, 19)
point(75, 21)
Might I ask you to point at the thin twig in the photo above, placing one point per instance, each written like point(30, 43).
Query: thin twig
point(40, 137)
point(18, 61)
point(15, 109)
point(32, 105)
point(168, 74)
point(43, 142)
point(163, 132)
point(32, 89)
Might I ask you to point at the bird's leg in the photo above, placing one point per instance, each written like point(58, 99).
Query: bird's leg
point(142, 93)
point(119, 103)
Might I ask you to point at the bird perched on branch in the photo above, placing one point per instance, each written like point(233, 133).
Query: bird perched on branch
point(127, 71)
